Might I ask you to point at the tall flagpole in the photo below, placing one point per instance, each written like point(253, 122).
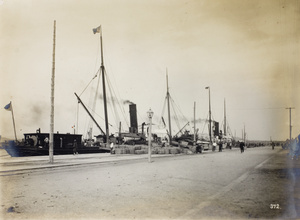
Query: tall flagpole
point(13, 118)
point(51, 138)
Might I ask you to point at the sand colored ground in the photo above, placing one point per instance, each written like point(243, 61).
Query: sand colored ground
point(219, 185)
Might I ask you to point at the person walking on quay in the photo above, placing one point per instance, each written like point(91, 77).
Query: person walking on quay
point(230, 145)
point(214, 145)
point(242, 146)
point(112, 149)
point(75, 147)
point(296, 148)
point(220, 145)
point(292, 148)
point(273, 145)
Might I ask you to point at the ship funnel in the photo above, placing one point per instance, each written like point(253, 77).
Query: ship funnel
point(133, 119)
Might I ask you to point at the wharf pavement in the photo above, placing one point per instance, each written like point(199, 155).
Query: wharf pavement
point(12, 164)
point(269, 190)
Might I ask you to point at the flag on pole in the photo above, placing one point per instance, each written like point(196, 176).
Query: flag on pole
point(97, 30)
point(8, 107)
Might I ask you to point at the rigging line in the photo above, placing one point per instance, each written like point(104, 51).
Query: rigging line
point(144, 119)
point(178, 108)
point(94, 105)
point(124, 116)
point(98, 115)
point(85, 126)
point(98, 58)
point(212, 118)
point(90, 82)
point(164, 107)
point(77, 116)
point(112, 75)
point(269, 108)
point(175, 115)
point(92, 111)
point(113, 94)
point(121, 106)
point(112, 99)
point(140, 117)
point(163, 110)
point(122, 110)
point(229, 129)
point(117, 93)
point(205, 122)
point(117, 118)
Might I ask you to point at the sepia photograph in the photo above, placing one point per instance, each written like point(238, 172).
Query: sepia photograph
point(138, 109)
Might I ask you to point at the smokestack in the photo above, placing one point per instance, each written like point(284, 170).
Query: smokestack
point(133, 119)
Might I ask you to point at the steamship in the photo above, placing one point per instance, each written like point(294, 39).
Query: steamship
point(37, 144)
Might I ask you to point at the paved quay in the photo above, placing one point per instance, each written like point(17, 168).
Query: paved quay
point(260, 183)
point(11, 164)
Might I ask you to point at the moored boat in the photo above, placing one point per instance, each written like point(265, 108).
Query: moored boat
point(37, 144)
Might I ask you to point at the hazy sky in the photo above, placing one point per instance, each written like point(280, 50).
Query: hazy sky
point(247, 51)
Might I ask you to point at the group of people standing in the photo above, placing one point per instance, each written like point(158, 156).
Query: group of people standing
point(294, 147)
point(220, 142)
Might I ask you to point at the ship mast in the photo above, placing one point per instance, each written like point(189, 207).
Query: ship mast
point(194, 123)
point(225, 128)
point(169, 116)
point(104, 90)
point(51, 138)
point(209, 111)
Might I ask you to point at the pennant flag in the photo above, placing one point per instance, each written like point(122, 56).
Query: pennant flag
point(8, 107)
point(97, 30)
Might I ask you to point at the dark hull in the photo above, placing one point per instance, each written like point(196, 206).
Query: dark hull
point(17, 150)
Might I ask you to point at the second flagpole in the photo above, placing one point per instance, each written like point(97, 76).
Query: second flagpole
point(13, 118)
